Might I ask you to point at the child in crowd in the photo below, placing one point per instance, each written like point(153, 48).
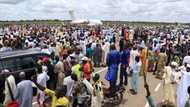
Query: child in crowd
point(97, 97)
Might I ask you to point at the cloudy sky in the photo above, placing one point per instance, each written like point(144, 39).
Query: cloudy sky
point(130, 10)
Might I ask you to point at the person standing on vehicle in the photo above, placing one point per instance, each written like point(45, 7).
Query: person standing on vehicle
point(113, 59)
point(24, 91)
point(124, 60)
point(135, 75)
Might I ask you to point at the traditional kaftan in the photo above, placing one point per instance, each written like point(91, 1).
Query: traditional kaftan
point(169, 96)
point(182, 95)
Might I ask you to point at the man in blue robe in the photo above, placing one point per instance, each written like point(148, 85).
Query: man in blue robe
point(124, 60)
point(113, 59)
point(24, 92)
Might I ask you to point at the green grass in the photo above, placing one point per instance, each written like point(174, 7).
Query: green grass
point(57, 22)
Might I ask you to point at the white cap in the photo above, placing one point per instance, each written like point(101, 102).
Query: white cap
point(174, 63)
point(72, 55)
point(85, 58)
point(44, 68)
point(22, 74)
point(5, 71)
point(188, 65)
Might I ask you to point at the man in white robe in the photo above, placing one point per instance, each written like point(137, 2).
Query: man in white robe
point(12, 83)
point(105, 48)
point(169, 96)
point(24, 92)
point(134, 52)
point(182, 95)
point(70, 82)
point(186, 59)
point(59, 70)
point(42, 79)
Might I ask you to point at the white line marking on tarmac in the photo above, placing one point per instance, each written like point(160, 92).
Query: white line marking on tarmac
point(147, 105)
point(34, 103)
point(157, 87)
point(103, 69)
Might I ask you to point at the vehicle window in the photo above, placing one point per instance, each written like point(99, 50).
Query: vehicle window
point(9, 64)
point(19, 63)
point(25, 62)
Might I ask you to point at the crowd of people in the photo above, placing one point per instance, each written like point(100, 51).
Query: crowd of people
point(68, 78)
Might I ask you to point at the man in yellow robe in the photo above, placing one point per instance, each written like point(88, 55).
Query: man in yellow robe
point(143, 57)
point(162, 59)
point(151, 60)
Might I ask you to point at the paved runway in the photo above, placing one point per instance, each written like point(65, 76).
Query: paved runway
point(139, 100)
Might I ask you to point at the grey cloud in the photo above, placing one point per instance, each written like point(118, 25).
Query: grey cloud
point(11, 1)
point(137, 10)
